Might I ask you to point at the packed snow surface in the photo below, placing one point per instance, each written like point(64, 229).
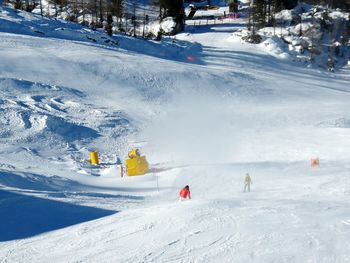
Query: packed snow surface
point(205, 109)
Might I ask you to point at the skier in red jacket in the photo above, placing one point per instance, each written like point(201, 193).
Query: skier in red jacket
point(184, 193)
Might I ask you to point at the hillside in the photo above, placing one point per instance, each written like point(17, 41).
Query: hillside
point(205, 108)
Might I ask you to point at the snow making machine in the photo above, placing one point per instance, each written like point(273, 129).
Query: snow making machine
point(136, 164)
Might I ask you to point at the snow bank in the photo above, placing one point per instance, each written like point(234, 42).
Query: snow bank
point(274, 46)
point(21, 22)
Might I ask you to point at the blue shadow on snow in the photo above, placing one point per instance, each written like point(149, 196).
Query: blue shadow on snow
point(23, 216)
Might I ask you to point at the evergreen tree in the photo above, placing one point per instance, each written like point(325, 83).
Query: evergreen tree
point(116, 9)
point(259, 13)
point(233, 5)
point(174, 8)
point(268, 11)
point(342, 4)
point(285, 4)
point(109, 25)
point(18, 4)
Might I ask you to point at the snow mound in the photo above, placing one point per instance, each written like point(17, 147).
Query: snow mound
point(285, 15)
point(337, 123)
point(29, 112)
point(274, 46)
point(65, 129)
point(25, 125)
point(338, 15)
point(39, 119)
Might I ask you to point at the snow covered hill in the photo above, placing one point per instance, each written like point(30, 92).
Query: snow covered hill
point(206, 109)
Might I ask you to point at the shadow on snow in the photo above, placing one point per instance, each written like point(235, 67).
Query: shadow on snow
point(169, 48)
point(36, 182)
point(24, 216)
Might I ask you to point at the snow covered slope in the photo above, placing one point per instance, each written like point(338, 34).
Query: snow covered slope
point(205, 110)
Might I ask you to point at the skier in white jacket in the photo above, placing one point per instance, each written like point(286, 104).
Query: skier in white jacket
point(247, 182)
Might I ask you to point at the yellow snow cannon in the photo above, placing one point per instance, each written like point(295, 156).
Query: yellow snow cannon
point(136, 164)
point(94, 158)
